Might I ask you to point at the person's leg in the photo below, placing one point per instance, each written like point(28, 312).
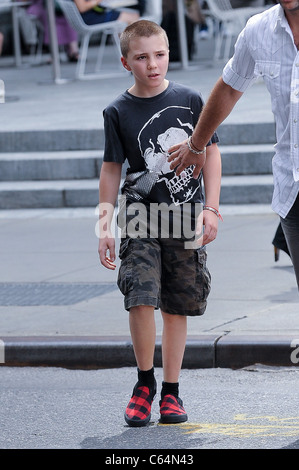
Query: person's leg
point(1, 42)
point(173, 348)
point(139, 281)
point(279, 243)
point(143, 333)
point(290, 227)
point(173, 345)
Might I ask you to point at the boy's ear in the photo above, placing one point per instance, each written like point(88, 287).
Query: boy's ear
point(125, 64)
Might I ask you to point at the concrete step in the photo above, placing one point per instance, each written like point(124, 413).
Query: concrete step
point(84, 164)
point(84, 193)
point(85, 139)
point(49, 194)
point(249, 189)
point(247, 159)
point(75, 164)
point(52, 140)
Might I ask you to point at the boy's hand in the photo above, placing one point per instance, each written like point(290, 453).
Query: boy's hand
point(210, 221)
point(181, 157)
point(107, 245)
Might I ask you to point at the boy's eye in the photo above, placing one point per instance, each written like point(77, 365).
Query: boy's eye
point(141, 57)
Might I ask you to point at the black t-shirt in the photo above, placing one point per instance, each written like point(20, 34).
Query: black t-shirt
point(141, 130)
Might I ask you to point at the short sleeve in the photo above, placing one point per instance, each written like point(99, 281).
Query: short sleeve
point(113, 149)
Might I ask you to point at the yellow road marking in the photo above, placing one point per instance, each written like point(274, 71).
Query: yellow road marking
point(264, 426)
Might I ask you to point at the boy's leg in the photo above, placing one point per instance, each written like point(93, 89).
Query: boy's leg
point(139, 281)
point(173, 348)
point(143, 333)
point(173, 345)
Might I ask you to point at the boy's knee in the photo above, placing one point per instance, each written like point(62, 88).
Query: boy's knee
point(141, 310)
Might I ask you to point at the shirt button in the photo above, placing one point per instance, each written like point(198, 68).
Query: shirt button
point(296, 146)
point(295, 120)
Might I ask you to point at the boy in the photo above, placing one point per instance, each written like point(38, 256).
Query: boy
point(157, 271)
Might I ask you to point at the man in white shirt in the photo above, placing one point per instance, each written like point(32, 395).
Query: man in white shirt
point(267, 47)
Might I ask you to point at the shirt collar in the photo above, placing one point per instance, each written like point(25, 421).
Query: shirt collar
point(281, 19)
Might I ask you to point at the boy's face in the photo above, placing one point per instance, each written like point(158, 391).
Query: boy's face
point(148, 60)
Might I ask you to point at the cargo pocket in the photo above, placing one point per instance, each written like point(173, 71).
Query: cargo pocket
point(125, 280)
point(203, 276)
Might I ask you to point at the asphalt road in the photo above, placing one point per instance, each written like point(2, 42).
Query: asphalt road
point(55, 408)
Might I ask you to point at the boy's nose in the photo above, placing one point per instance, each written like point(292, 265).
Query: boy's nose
point(151, 63)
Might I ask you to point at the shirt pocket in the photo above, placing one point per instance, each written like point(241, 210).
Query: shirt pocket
point(270, 72)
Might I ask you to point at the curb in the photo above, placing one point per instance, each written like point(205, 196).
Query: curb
point(96, 352)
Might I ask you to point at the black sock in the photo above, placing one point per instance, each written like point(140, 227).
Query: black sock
point(170, 388)
point(147, 378)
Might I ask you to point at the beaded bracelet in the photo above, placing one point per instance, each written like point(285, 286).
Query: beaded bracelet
point(197, 152)
point(212, 209)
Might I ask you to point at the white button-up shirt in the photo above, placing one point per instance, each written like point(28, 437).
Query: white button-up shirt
point(265, 48)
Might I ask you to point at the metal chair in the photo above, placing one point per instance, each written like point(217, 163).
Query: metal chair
point(111, 28)
point(229, 23)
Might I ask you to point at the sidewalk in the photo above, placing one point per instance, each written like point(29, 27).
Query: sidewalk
point(59, 307)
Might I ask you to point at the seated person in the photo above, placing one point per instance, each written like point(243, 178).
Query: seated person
point(66, 35)
point(92, 13)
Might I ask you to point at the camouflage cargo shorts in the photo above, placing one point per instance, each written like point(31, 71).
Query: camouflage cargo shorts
point(164, 274)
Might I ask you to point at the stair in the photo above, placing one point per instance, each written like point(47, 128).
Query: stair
point(66, 174)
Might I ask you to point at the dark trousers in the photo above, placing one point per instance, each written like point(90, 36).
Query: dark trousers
point(290, 226)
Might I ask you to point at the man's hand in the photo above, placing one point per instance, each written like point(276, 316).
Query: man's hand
point(181, 157)
point(107, 245)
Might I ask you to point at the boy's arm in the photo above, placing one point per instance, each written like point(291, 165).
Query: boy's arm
point(212, 183)
point(108, 190)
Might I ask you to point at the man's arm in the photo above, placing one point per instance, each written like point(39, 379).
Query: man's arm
point(219, 105)
point(108, 190)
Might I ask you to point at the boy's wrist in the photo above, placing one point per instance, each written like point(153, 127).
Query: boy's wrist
point(214, 210)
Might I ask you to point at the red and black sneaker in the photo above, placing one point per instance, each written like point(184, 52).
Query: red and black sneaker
point(172, 410)
point(138, 411)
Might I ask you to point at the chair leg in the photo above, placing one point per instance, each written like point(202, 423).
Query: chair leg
point(227, 46)
point(101, 51)
point(218, 42)
point(117, 47)
point(82, 56)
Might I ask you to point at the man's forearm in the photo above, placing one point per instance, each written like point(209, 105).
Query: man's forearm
point(219, 105)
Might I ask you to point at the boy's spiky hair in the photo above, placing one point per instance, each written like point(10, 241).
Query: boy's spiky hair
point(140, 28)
